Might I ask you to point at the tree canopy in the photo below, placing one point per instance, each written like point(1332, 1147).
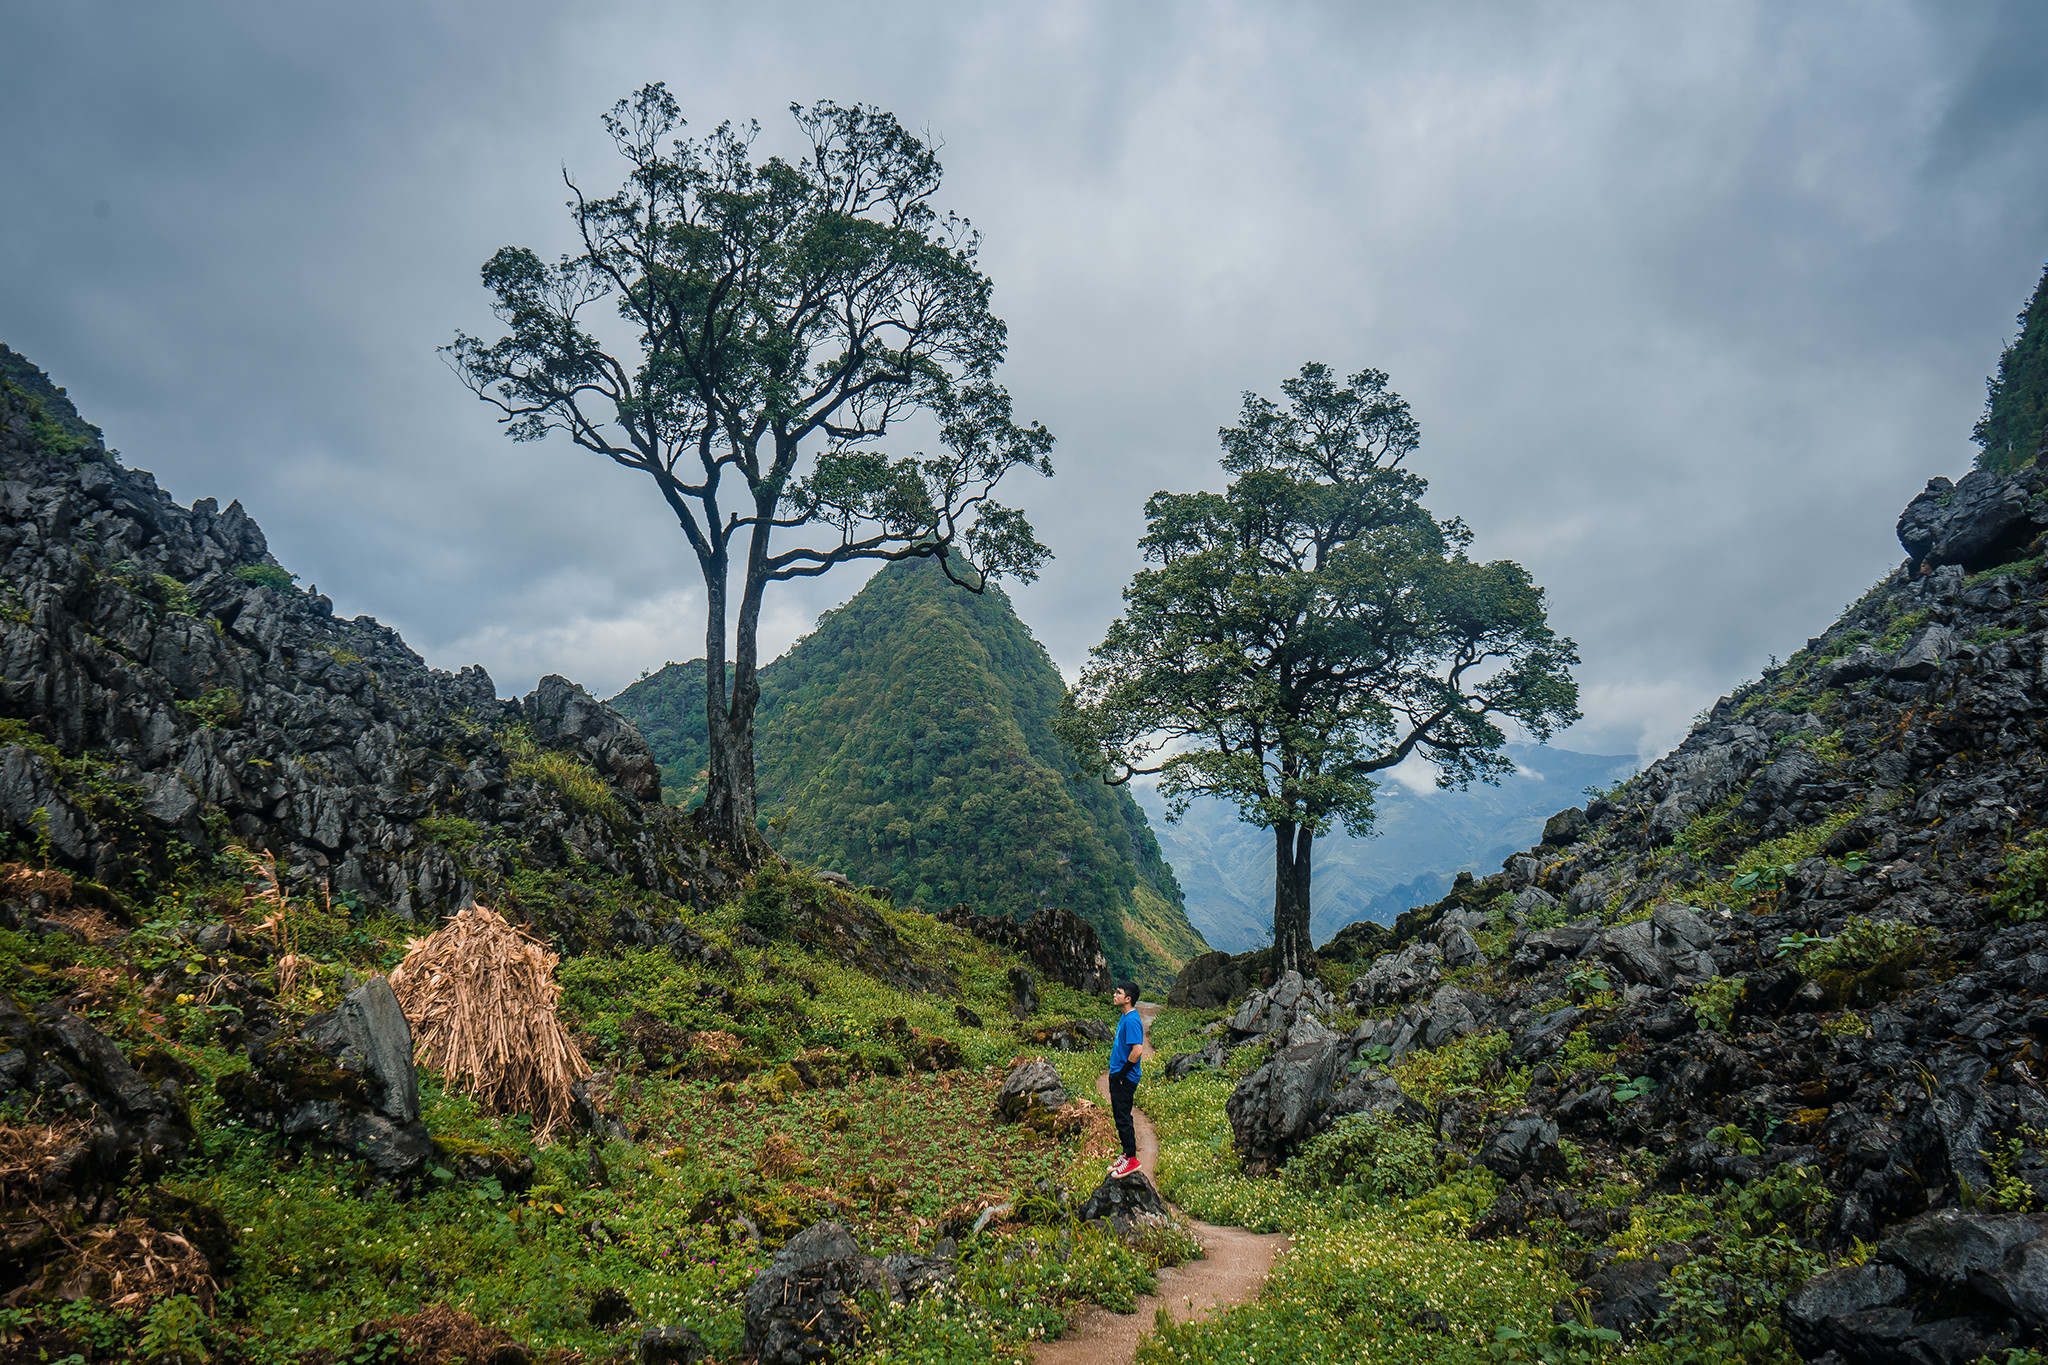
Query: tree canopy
point(780, 319)
point(1312, 626)
point(2014, 428)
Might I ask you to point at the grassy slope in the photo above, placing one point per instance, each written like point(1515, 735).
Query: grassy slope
point(319, 1250)
point(907, 742)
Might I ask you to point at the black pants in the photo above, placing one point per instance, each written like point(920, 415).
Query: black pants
point(1121, 1093)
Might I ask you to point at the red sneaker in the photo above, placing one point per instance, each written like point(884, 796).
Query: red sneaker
point(1128, 1166)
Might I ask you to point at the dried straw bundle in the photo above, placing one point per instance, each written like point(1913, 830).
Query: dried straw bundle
point(480, 995)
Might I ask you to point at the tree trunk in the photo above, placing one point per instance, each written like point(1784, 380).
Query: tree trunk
point(1293, 948)
point(728, 814)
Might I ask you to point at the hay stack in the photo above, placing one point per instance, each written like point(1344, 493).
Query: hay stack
point(480, 995)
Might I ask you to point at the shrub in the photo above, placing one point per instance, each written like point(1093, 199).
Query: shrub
point(1713, 1004)
point(266, 576)
point(2022, 892)
point(1868, 959)
point(1373, 1152)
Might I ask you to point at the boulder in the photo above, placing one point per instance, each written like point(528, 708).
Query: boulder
point(1032, 1086)
point(1811, 1310)
point(802, 1308)
point(1981, 521)
point(559, 714)
point(1948, 1248)
point(57, 1062)
point(1373, 1091)
point(911, 1276)
point(368, 1033)
point(1523, 1146)
point(1208, 982)
point(1565, 828)
point(1284, 1102)
point(1546, 1033)
point(1271, 1013)
point(1397, 978)
point(1023, 993)
point(1127, 1203)
point(1861, 663)
point(1924, 654)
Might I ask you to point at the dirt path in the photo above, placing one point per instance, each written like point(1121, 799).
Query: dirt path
point(1233, 1269)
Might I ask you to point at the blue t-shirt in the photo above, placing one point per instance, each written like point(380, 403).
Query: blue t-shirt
point(1130, 1031)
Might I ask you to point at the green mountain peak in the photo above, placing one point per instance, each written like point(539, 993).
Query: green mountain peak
point(907, 742)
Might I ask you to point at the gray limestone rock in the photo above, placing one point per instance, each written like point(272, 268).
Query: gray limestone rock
point(369, 1034)
point(1031, 1085)
point(803, 1307)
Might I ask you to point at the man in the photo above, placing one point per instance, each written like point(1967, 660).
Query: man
point(1126, 1053)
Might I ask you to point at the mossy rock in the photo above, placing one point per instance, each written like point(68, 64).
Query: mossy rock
point(480, 1161)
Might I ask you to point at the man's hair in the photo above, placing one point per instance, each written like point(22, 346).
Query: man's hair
point(1129, 989)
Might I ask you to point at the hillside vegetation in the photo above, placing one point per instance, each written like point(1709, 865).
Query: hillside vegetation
point(223, 817)
point(907, 743)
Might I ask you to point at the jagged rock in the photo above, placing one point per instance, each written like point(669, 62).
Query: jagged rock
point(1283, 1102)
point(1546, 1033)
point(1861, 663)
point(802, 1308)
point(670, 1346)
point(913, 1276)
point(1125, 1204)
point(1924, 655)
point(1811, 1311)
point(1209, 981)
point(1949, 1248)
point(1982, 520)
point(1565, 828)
point(1023, 993)
point(1373, 1091)
point(1523, 1146)
point(1629, 1296)
point(213, 697)
point(369, 1034)
point(559, 712)
point(1397, 977)
point(1460, 950)
point(1187, 1063)
point(1273, 1012)
point(1532, 900)
point(1031, 1086)
point(1058, 942)
point(62, 1063)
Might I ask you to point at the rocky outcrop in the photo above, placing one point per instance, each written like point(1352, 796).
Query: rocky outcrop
point(115, 1122)
point(1209, 981)
point(1129, 1205)
point(1807, 938)
point(1057, 941)
point(218, 701)
point(346, 1081)
point(803, 1307)
point(1032, 1087)
point(1293, 1011)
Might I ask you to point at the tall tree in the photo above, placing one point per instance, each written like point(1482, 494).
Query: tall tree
point(1310, 627)
point(2014, 428)
point(782, 317)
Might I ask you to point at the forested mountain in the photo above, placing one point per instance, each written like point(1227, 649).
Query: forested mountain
point(2014, 428)
point(1424, 840)
point(907, 742)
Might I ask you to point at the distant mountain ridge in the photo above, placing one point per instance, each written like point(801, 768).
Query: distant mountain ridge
point(1424, 840)
point(907, 742)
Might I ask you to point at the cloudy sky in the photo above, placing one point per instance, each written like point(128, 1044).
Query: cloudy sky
point(1689, 299)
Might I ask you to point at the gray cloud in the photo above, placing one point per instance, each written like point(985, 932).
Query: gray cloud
point(1688, 300)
